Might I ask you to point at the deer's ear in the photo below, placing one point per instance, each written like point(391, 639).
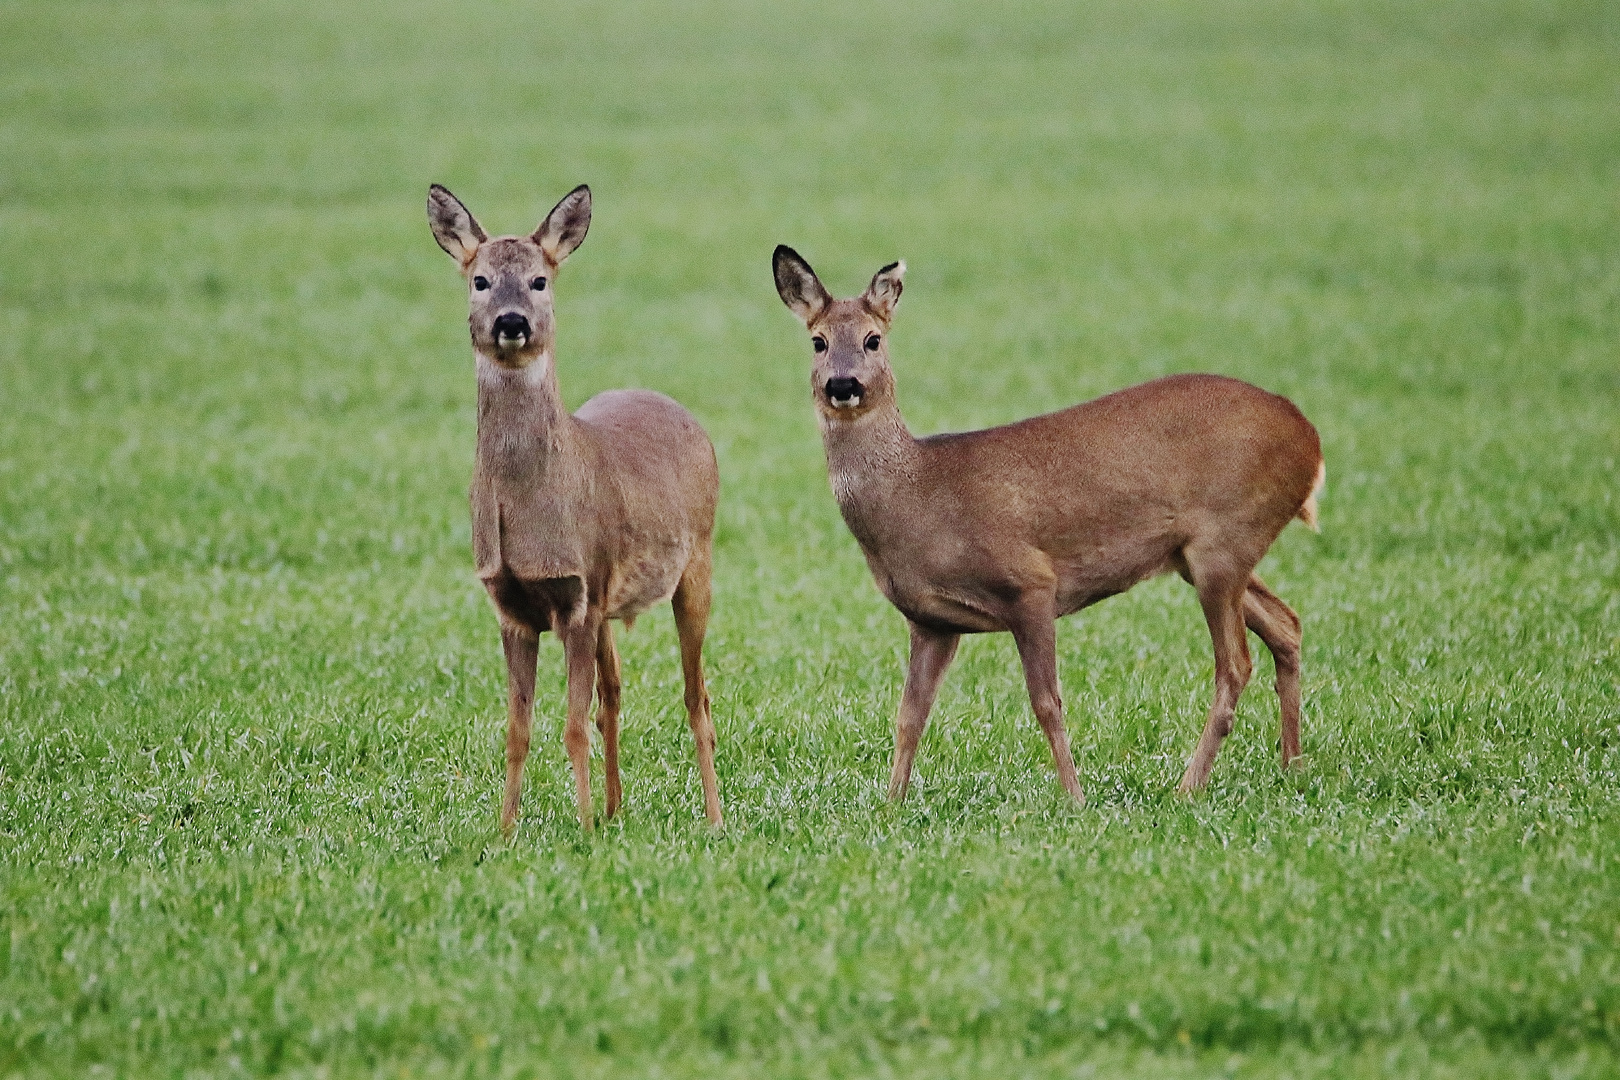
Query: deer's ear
point(454, 227)
point(884, 292)
point(565, 227)
point(798, 285)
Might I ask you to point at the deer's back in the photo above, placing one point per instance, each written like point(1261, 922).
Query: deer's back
point(1188, 442)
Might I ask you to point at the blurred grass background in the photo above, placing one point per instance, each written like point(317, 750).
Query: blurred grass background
point(251, 697)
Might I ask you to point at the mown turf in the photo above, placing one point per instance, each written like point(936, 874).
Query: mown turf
point(251, 697)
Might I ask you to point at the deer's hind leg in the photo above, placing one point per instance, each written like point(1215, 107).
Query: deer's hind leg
point(1278, 626)
point(691, 604)
point(1221, 593)
point(607, 712)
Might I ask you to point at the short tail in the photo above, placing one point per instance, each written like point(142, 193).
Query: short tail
point(1307, 512)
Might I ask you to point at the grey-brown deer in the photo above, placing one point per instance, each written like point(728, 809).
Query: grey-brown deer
point(576, 519)
point(1014, 527)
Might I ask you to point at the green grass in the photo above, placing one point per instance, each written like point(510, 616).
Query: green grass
point(251, 697)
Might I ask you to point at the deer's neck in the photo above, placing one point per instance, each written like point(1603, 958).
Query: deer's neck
point(870, 461)
point(524, 432)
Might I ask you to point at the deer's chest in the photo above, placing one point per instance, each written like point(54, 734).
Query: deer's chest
point(536, 605)
point(529, 535)
point(527, 545)
point(940, 602)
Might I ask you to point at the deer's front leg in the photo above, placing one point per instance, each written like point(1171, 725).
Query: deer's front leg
point(1034, 630)
point(931, 654)
point(579, 645)
point(522, 652)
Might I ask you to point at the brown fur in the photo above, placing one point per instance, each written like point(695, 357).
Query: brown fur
point(576, 519)
point(1013, 527)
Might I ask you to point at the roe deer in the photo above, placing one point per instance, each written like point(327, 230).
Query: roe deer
point(576, 519)
point(1013, 527)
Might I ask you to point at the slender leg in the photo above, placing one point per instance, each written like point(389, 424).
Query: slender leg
point(1035, 631)
point(931, 654)
point(607, 712)
point(691, 604)
point(522, 653)
point(1221, 596)
point(579, 646)
point(1278, 626)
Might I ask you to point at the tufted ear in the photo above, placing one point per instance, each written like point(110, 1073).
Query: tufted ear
point(884, 292)
point(454, 227)
point(565, 227)
point(798, 285)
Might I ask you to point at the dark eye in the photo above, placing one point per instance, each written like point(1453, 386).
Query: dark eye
point(480, 283)
point(538, 284)
point(819, 342)
point(872, 342)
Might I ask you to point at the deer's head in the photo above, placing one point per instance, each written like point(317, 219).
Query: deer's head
point(509, 278)
point(850, 373)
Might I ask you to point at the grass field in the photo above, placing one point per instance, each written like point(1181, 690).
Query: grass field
point(252, 698)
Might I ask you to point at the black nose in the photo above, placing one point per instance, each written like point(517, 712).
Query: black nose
point(511, 325)
point(842, 389)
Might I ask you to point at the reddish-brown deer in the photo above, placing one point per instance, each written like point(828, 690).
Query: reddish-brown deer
point(576, 519)
point(1014, 527)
